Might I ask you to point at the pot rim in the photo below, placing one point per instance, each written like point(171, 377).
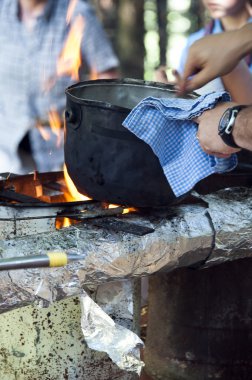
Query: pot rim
point(116, 82)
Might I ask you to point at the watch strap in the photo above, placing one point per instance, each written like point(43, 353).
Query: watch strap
point(225, 131)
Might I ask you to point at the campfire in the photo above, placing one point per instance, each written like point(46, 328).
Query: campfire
point(42, 202)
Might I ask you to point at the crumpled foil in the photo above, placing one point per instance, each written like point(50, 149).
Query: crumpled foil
point(103, 334)
point(203, 234)
point(210, 231)
point(230, 211)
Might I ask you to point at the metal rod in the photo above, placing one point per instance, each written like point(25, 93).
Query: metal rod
point(50, 259)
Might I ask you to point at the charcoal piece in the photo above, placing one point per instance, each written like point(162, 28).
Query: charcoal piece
point(122, 226)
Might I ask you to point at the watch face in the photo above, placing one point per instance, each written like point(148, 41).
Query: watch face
point(226, 125)
point(226, 118)
point(224, 121)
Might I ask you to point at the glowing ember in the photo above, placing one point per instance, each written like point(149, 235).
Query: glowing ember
point(125, 210)
point(128, 210)
point(112, 206)
point(70, 58)
point(65, 222)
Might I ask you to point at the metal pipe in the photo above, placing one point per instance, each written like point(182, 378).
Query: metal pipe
point(50, 259)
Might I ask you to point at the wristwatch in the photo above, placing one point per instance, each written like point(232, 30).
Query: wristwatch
point(226, 125)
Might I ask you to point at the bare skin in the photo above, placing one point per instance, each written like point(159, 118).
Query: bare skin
point(239, 83)
point(207, 133)
point(214, 56)
point(208, 58)
point(233, 14)
point(28, 6)
point(208, 136)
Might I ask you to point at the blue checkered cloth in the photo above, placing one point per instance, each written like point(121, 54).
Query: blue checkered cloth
point(166, 125)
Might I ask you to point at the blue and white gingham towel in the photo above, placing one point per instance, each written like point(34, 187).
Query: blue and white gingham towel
point(166, 125)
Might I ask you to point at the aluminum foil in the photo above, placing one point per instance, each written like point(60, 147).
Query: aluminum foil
point(214, 229)
point(203, 233)
point(230, 211)
point(101, 333)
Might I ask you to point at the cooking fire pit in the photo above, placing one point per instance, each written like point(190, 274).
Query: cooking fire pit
point(200, 232)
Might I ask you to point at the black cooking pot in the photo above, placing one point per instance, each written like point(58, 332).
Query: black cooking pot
point(105, 160)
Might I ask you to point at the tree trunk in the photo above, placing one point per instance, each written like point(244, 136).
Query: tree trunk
point(123, 22)
point(162, 29)
point(130, 41)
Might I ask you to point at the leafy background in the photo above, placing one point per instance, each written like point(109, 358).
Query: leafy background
point(149, 33)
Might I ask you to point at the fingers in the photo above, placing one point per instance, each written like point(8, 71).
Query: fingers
point(190, 69)
point(189, 84)
point(197, 72)
point(214, 153)
point(180, 88)
point(177, 77)
point(160, 75)
point(218, 154)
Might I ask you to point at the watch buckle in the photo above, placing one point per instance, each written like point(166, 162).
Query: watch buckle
point(230, 125)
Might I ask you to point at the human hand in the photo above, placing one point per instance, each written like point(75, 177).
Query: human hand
point(208, 58)
point(207, 134)
point(160, 75)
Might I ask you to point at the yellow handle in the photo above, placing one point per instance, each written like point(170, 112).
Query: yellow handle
point(57, 259)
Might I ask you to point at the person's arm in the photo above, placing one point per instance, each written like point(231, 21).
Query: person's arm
point(209, 138)
point(213, 56)
point(239, 83)
point(242, 132)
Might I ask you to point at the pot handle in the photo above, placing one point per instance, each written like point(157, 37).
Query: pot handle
point(73, 116)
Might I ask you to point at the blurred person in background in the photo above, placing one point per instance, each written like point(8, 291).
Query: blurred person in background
point(213, 56)
point(44, 45)
point(226, 15)
point(208, 58)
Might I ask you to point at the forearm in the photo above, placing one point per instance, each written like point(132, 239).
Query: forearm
point(239, 84)
point(244, 40)
point(242, 132)
point(231, 48)
point(214, 55)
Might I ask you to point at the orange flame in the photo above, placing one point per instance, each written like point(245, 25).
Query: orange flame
point(70, 58)
point(93, 74)
point(68, 64)
point(66, 222)
point(44, 133)
point(125, 210)
point(73, 195)
point(128, 210)
point(70, 11)
point(55, 124)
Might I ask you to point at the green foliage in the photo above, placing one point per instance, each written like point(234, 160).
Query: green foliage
point(183, 18)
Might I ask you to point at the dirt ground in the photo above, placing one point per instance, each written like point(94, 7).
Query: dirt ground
point(144, 376)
